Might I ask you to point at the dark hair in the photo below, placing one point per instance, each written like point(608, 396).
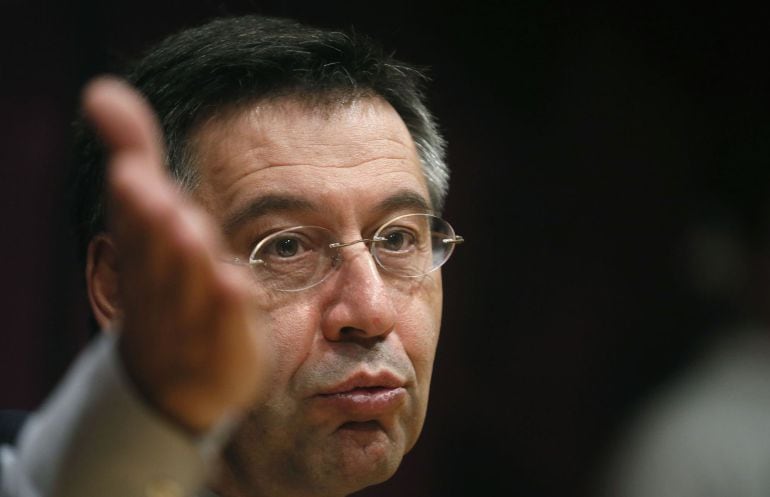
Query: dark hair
point(200, 72)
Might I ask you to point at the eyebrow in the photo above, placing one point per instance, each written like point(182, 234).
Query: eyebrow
point(405, 199)
point(264, 205)
point(260, 206)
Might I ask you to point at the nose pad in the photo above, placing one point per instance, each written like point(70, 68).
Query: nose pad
point(337, 260)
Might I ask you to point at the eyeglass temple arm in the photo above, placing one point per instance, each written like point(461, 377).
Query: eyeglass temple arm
point(457, 240)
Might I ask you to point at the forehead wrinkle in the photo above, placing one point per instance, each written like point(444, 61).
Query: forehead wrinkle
point(273, 165)
point(248, 173)
point(262, 157)
point(268, 127)
point(409, 199)
point(324, 154)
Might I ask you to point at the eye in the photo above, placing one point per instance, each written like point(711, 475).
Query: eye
point(398, 240)
point(285, 246)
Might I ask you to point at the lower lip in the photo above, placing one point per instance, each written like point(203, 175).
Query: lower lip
point(365, 402)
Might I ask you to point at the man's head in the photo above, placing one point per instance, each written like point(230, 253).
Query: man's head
point(271, 125)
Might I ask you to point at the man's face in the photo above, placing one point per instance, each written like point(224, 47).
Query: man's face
point(353, 355)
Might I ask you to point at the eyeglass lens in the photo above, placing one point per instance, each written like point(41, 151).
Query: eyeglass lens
point(298, 258)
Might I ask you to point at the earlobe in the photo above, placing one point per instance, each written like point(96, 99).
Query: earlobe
point(102, 279)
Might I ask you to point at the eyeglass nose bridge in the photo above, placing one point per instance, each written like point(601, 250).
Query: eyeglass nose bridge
point(337, 257)
point(340, 245)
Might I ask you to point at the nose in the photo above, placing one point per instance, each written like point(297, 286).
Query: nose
point(361, 307)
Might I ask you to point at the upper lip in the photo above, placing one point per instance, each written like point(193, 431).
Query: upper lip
point(381, 379)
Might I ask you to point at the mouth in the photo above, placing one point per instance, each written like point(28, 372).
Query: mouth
point(365, 381)
point(365, 397)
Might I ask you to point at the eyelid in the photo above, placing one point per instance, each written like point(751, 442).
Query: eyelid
point(257, 239)
point(293, 228)
point(256, 229)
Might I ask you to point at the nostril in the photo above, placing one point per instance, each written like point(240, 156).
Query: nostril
point(349, 330)
point(351, 334)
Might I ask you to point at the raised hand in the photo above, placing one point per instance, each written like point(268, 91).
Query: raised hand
point(189, 338)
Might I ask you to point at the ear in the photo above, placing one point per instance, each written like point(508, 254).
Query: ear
point(102, 278)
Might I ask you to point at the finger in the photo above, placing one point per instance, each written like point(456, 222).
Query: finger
point(138, 187)
point(123, 119)
point(140, 205)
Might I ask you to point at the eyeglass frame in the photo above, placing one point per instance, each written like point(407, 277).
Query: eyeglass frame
point(337, 259)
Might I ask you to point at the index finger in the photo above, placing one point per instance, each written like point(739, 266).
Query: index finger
point(124, 120)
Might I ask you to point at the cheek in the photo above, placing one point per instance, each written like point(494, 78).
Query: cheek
point(420, 327)
point(419, 335)
point(420, 344)
point(291, 332)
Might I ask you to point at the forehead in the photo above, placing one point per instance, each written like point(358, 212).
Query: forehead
point(350, 155)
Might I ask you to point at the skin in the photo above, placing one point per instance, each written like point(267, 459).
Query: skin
point(349, 168)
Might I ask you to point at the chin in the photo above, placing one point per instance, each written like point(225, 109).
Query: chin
point(365, 455)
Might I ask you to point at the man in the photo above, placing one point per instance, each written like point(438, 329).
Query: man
point(288, 299)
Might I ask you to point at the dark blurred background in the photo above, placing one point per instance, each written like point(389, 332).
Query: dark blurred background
point(610, 169)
